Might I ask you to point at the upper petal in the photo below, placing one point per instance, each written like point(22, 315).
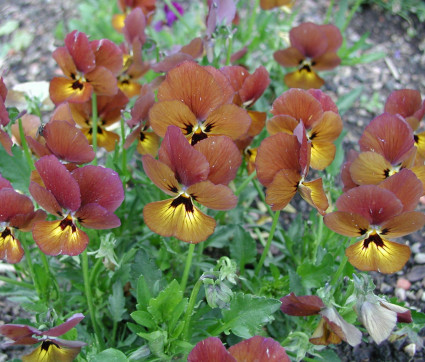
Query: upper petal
point(210, 349)
point(259, 348)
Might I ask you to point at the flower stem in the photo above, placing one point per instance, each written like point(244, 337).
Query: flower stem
point(329, 12)
point(87, 289)
point(16, 282)
point(245, 183)
point(339, 271)
point(190, 307)
point(187, 266)
point(30, 265)
point(25, 146)
point(123, 150)
point(351, 14)
point(229, 48)
point(94, 120)
point(269, 242)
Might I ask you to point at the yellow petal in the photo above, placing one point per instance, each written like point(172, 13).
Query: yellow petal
point(49, 351)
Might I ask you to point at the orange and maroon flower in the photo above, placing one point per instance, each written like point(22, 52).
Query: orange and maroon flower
point(5, 139)
point(376, 213)
point(332, 328)
point(313, 48)
point(198, 100)
point(16, 212)
point(189, 175)
point(109, 110)
point(320, 117)
point(88, 67)
point(282, 164)
point(51, 348)
point(88, 195)
point(253, 349)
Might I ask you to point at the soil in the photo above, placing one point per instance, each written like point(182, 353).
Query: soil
point(402, 67)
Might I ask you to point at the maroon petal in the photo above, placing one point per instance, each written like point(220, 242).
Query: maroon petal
point(70, 323)
point(79, 47)
point(99, 185)
point(6, 142)
point(67, 343)
point(103, 81)
point(134, 28)
point(404, 102)
point(20, 333)
point(289, 57)
point(301, 306)
point(5, 183)
point(45, 199)
point(141, 108)
point(59, 182)
point(94, 216)
point(309, 39)
point(254, 86)
point(108, 55)
point(210, 350)
point(13, 203)
point(326, 101)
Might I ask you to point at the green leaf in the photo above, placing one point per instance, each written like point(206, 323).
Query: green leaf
point(9, 27)
point(15, 169)
point(110, 355)
point(242, 246)
point(117, 302)
point(315, 276)
point(143, 293)
point(162, 307)
point(418, 317)
point(156, 341)
point(346, 101)
point(144, 319)
point(341, 15)
point(248, 313)
point(329, 355)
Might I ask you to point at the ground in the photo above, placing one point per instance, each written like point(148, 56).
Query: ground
point(403, 67)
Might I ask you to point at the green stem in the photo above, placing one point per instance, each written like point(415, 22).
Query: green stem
point(94, 119)
point(16, 282)
point(190, 307)
point(351, 14)
point(123, 150)
point(339, 271)
point(25, 146)
point(269, 242)
point(199, 259)
point(318, 239)
point(176, 13)
point(30, 265)
point(262, 196)
point(87, 289)
point(95, 271)
point(329, 12)
point(187, 266)
point(229, 48)
point(245, 183)
point(114, 333)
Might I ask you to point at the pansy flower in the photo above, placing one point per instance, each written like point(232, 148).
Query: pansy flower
point(282, 164)
point(189, 175)
point(332, 328)
point(408, 104)
point(5, 139)
point(109, 110)
point(126, 6)
point(319, 115)
point(88, 196)
point(313, 48)
point(376, 213)
point(148, 141)
point(198, 100)
point(88, 67)
point(52, 348)
point(16, 212)
point(256, 348)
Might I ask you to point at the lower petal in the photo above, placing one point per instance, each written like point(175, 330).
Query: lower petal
point(49, 351)
point(282, 189)
point(313, 193)
point(322, 154)
point(304, 79)
point(10, 248)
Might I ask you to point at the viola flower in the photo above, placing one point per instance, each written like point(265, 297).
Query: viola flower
point(198, 100)
point(408, 104)
point(387, 146)
point(148, 141)
point(376, 213)
point(88, 195)
point(126, 6)
point(170, 17)
point(282, 164)
point(332, 328)
point(16, 212)
point(51, 348)
point(5, 139)
point(108, 112)
point(319, 115)
point(270, 4)
point(88, 67)
point(256, 348)
point(313, 48)
point(190, 174)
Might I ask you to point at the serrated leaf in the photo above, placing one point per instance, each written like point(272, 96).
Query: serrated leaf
point(110, 355)
point(315, 276)
point(163, 306)
point(242, 246)
point(117, 302)
point(248, 313)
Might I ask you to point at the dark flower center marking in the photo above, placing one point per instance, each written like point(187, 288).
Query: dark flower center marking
point(198, 136)
point(5, 233)
point(373, 238)
point(416, 138)
point(77, 85)
point(142, 137)
point(46, 345)
point(67, 222)
point(188, 128)
point(183, 200)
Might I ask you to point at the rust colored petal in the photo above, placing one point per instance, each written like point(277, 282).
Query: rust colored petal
point(277, 152)
point(172, 113)
point(345, 223)
point(281, 123)
point(389, 136)
point(223, 157)
point(161, 175)
point(370, 168)
point(333, 36)
point(171, 61)
point(226, 87)
point(258, 121)
point(405, 102)
point(99, 185)
point(45, 199)
point(304, 305)
point(195, 48)
point(313, 193)
point(236, 75)
point(59, 237)
point(79, 47)
point(65, 61)
point(103, 81)
point(378, 254)
point(10, 247)
point(309, 39)
point(228, 120)
point(254, 86)
point(323, 335)
point(194, 86)
point(305, 78)
point(403, 224)
point(59, 182)
point(322, 154)
point(282, 189)
point(210, 349)
point(217, 197)
point(134, 26)
point(65, 89)
point(107, 55)
point(289, 57)
point(327, 61)
point(179, 218)
point(94, 216)
point(140, 110)
point(326, 101)
point(6, 142)
point(24, 222)
point(406, 186)
point(372, 202)
point(259, 348)
point(300, 105)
